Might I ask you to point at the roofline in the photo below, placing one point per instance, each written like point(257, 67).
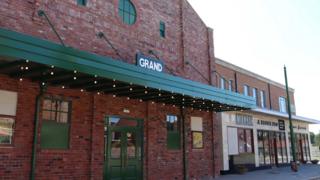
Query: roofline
point(284, 115)
point(250, 73)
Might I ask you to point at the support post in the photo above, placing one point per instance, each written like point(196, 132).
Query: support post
point(35, 132)
point(294, 166)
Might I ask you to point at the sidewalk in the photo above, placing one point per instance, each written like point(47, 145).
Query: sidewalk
point(306, 172)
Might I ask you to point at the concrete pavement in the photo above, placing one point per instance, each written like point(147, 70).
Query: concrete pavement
point(306, 172)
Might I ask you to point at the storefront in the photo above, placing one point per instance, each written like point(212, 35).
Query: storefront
point(260, 138)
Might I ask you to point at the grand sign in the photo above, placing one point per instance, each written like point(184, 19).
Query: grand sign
point(149, 63)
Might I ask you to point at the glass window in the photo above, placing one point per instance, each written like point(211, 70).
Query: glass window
point(246, 90)
point(162, 29)
point(6, 130)
point(230, 84)
point(82, 2)
point(262, 99)
point(55, 110)
point(261, 148)
point(173, 132)
point(222, 83)
point(266, 147)
point(245, 140)
point(131, 144)
point(56, 115)
point(255, 95)
point(282, 105)
point(115, 145)
point(127, 11)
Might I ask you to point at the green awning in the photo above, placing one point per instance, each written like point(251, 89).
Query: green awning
point(20, 46)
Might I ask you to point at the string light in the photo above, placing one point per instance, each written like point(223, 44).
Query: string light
point(20, 79)
point(146, 92)
point(27, 61)
point(74, 78)
point(152, 102)
point(163, 104)
point(114, 95)
point(159, 94)
point(52, 66)
point(114, 85)
point(62, 87)
point(98, 93)
point(95, 82)
point(95, 76)
point(131, 89)
point(128, 98)
point(140, 100)
point(27, 68)
point(43, 83)
point(52, 73)
point(81, 90)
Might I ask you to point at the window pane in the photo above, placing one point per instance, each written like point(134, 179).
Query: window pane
point(131, 145)
point(64, 106)
point(172, 123)
point(241, 141)
point(116, 121)
point(47, 104)
point(115, 145)
point(46, 115)
point(249, 140)
point(63, 117)
point(260, 148)
point(6, 130)
point(284, 148)
point(266, 147)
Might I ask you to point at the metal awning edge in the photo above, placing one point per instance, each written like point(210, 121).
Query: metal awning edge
point(19, 45)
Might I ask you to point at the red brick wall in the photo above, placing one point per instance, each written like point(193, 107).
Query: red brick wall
point(78, 26)
point(253, 82)
point(84, 158)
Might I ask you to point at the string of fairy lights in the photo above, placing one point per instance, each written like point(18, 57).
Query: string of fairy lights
point(197, 103)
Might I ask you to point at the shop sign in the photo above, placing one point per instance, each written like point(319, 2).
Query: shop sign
point(149, 63)
point(281, 124)
point(267, 123)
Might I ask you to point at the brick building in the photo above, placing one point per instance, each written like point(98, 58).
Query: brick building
point(260, 137)
point(113, 89)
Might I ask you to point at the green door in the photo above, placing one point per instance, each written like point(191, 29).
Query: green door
point(123, 149)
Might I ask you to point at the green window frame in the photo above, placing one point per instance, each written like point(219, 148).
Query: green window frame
point(6, 130)
point(127, 12)
point(162, 29)
point(56, 115)
point(82, 2)
point(173, 132)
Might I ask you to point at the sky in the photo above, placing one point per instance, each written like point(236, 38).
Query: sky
point(264, 35)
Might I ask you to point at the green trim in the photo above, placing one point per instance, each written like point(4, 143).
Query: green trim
point(18, 45)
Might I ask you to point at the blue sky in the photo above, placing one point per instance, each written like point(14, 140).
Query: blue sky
point(263, 35)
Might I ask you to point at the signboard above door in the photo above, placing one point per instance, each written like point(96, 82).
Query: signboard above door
point(149, 63)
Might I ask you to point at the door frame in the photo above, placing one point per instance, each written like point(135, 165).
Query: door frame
point(140, 122)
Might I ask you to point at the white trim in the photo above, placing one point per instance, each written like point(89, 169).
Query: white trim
point(249, 73)
point(285, 115)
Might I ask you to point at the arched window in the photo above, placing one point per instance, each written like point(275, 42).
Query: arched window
point(127, 12)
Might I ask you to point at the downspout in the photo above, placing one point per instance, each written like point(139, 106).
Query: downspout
point(35, 133)
point(235, 82)
point(184, 145)
point(269, 94)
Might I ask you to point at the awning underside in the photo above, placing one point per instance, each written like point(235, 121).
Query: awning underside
point(56, 65)
point(52, 76)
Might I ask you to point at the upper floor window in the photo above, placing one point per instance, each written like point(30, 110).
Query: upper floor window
point(246, 90)
point(162, 29)
point(127, 12)
point(262, 99)
point(282, 104)
point(82, 2)
point(230, 84)
point(255, 94)
point(222, 83)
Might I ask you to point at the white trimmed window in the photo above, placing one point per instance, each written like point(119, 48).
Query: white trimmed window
point(262, 99)
point(8, 107)
point(246, 90)
point(222, 83)
point(282, 105)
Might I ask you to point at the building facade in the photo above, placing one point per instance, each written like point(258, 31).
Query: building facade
point(109, 89)
point(260, 138)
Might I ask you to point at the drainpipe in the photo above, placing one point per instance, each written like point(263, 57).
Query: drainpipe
point(235, 82)
point(35, 133)
point(184, 146)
